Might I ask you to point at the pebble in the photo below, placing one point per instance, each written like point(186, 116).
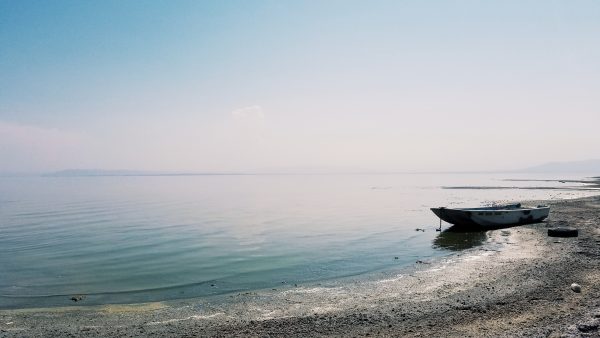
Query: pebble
point(576, 287)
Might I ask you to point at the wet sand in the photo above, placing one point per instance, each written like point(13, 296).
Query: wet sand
point(517, 283)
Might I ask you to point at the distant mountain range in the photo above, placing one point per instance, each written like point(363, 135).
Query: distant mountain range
point(97, 172)
point(587, 166)
point(278, 171)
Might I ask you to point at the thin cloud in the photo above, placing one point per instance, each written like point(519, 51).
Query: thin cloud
point(34, 136)
point(249, 113)
point(29, 147)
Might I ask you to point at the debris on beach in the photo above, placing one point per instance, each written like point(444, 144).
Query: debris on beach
point(77, 298)
point(420, 229)
point(576, 287)
point(588, 327)
point(563, 232)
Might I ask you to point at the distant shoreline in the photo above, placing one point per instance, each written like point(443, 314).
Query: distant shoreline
point(554, 168)
point(102, 173)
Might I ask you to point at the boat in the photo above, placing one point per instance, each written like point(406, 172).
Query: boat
point(492, 217)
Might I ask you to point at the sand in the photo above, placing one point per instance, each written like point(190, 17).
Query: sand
point(518, 283)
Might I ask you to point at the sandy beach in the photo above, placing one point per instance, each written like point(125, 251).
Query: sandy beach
point(517, 283)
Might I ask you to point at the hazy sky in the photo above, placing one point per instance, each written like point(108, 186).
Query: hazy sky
point(261, 85)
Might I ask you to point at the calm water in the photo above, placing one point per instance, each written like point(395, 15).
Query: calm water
point(131, 239)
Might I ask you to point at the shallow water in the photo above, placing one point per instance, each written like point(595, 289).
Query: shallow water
point(133, 239)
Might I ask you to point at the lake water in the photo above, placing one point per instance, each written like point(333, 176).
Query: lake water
point(150, 238)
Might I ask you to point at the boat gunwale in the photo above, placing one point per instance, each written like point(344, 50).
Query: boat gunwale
point(487, 217)
point(496, 208)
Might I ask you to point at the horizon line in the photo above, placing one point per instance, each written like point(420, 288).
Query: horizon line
point(172, 174)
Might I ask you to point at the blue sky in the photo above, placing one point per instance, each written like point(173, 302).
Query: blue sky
point(255, 85)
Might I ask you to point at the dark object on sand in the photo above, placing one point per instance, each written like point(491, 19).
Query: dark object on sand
point(492, 217)
point(576, 287)
point(563, 232)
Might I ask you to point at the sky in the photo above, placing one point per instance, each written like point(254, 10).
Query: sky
point(253, 86)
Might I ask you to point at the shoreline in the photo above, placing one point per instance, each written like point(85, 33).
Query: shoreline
point(521, 288)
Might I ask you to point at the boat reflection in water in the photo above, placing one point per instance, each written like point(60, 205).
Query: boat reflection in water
point(454, 239)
